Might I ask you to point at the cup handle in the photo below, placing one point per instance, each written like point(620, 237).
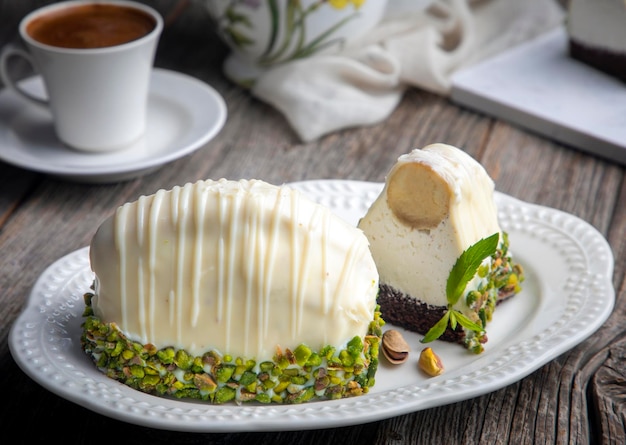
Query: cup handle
point(8, 52)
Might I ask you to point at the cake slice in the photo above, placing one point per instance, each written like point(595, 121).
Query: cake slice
point(437, 203)
point(233, 290)
point(597, 34)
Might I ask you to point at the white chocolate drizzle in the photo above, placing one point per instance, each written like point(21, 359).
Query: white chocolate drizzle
point(240, 267)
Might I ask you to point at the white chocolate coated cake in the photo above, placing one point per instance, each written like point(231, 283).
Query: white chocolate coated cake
point(436, 203)
point(242, 269)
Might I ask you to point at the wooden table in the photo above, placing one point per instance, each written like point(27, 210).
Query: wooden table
point(579, 397)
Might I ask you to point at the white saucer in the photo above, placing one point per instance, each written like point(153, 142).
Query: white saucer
point(183, 115)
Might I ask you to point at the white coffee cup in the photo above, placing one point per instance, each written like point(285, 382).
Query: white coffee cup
point(98, 95)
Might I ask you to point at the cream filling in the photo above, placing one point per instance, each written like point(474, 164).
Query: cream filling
point(241, 267)
point(436, 202)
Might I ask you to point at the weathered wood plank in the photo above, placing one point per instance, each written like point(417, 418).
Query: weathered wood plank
point(576, 398)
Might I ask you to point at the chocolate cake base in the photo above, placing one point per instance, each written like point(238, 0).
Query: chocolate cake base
point(404, 311)
point(609, 62)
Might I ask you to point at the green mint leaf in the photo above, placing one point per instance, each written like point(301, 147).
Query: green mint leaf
point(467, 264)
point(438, 329)
point(452, 319)
point(467, 323)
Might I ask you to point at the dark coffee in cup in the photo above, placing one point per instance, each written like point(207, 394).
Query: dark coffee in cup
point(95, 59)
point(91, 26)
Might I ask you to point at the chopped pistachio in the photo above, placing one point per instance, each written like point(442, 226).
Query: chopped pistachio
point(293, 376)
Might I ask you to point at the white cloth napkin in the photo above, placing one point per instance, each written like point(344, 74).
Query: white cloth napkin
point(363, 83)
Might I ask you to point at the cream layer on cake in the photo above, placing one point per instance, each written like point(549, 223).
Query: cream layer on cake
point(239, 267)
point(598, 23)
point(436, 202)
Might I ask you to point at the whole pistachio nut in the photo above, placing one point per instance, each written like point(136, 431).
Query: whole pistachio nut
point(395, 348)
